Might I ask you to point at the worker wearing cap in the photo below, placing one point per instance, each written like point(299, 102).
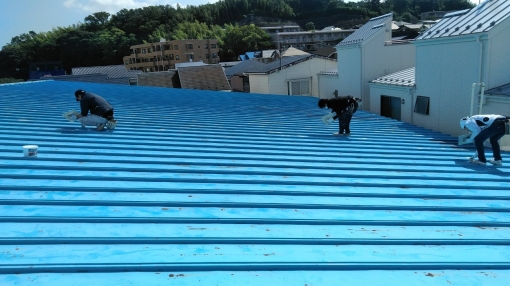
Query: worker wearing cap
point(101, 111)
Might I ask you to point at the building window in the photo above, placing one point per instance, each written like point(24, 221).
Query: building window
point(190, 57)
point(149, 50)
point(299, 87)
point(214, 56)
point(213, 46)
point(422, 105)
point(144, 51)
point(206, 56)
point(176, 47)
point(206, 46)
point(189, 46)
point(171, 57)
point(177, 57)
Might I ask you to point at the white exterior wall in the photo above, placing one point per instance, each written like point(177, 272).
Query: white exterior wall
point(445, 72)
point(277, 82)
point(259, 83)
point(498, 58)
point(405, 93)
point(349, 71)
point(327, 85)
point(379, 60)
point(360, 64)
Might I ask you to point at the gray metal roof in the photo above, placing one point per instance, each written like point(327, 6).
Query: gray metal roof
point(500, 90)
point(115, 71)
point(401, 78)
point(277, 64)
point(365, 31)
point(241, 67)
point(480, 19)
point(255, 66)
point(214, 188)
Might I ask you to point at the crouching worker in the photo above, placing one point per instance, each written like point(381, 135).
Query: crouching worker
point(485, 127)
point(344, 107)
point(101, 112)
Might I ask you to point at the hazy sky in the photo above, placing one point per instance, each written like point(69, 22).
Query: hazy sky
point(22, 16)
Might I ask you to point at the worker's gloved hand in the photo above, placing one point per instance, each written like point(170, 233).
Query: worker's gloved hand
point(70, 115)
point(111, 124)
point(327, 117)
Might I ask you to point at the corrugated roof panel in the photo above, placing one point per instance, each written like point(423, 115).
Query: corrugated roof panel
point(115, 71)
point(366, 30)
point(480, 19)
point(401, 78)
point(204, 188)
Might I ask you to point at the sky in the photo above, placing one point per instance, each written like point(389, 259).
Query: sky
point(21, 16)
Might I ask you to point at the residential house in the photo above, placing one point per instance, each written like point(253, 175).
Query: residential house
point(457, 60)
point(290, 75)
point(465, 48)
point(162, 56)
point(368, 53)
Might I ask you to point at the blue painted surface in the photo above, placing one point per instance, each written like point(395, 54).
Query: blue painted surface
point(198, 187)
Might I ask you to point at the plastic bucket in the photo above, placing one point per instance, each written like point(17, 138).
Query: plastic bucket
point(30, 150)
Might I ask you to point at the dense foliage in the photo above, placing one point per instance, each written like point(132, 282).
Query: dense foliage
point(103, 39)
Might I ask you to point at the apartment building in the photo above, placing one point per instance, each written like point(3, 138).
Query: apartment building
point(285, 37)
point(162, 56)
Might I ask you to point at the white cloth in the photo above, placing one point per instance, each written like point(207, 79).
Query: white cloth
point(92, 120)
point(475, 129)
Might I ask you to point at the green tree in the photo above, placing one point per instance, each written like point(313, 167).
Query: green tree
point(310, 26)
point(239, 40)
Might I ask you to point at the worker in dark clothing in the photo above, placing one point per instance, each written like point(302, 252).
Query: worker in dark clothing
point(101, 112)
point(483, 127)
point(344, 107)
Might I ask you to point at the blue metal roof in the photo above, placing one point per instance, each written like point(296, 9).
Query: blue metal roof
point(480, 19)
point(214, 188)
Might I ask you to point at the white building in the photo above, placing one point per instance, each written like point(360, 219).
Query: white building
point(454, 58)
point(293, 75)
point(368, 54)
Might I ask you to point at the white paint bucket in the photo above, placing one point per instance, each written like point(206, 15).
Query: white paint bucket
point(30, 150)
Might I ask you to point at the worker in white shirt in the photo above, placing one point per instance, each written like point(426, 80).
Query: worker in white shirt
point(483, 127)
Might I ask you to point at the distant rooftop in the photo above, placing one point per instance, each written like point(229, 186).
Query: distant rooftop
point(480, 19)
point(401, 78)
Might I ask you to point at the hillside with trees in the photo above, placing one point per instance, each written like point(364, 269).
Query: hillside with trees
point(103, 39)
